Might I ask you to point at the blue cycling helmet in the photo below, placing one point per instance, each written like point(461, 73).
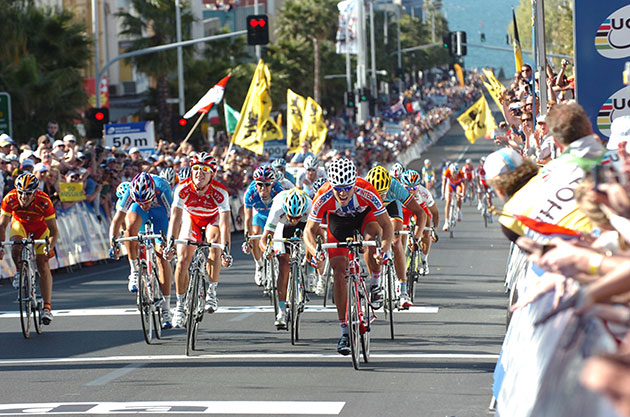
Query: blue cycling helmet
point(122, 188)
point(184, 173)
point(143, 188)
point(294, 203)
point(410, 178)
point(264, 173)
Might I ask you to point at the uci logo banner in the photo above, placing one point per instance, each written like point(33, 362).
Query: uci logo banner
point(613, 35)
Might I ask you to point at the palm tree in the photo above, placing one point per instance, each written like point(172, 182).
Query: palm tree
point(314, 20)
point(153, 24)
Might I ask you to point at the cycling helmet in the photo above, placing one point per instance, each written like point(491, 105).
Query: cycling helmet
point(380, 178)
point(294, 203)
point(27, 183)
point(454, 167)
point(468, 161)
point(397, 170)
point(122, 188)
point(342, 172)
point(279, 163)
point(169, 175)
point(410, 178)
point(311, 162)
point(184, 173)
point(317, 184)
point(264, 173)
point(142, 188)
point(279, 173)
point(427, 161)
point(482, 160)
point(204, 158)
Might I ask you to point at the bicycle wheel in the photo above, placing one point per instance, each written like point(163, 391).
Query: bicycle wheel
point(192, 304)
point(389, 297)
point(411, 274)
point(156, 310)
point(144, 302)
point(38, 305)
point(352, 315)
point(328, 278)
point(273, 281)
point(294, 311)
point(366, 314)
point(24, 297)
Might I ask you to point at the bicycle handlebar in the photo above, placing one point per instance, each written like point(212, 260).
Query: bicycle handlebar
point(351, 244)
point(139, 237)
point(200, 244)
point(254, 237)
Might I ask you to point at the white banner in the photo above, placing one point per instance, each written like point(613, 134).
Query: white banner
point(346, 40)
point(139, 135)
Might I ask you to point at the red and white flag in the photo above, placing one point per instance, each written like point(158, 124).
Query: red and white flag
point(212, 97)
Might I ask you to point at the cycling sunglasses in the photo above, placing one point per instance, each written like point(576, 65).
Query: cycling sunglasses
point(263, 184)
point(343, 188)
point(414, 188)
point(26, 193)
point(204, 168)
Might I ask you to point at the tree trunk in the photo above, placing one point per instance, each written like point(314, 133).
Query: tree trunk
point(316, 75)
point(164, 110)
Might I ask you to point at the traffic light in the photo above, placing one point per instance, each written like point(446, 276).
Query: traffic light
point(179, 127)
point(460, 43)
point(350, 99)
point(96, 119)
point(450, 43)
point(364, 94)
point(257, 29)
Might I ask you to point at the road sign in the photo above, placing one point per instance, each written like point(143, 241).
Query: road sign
point(139, 135)
point(5, 114)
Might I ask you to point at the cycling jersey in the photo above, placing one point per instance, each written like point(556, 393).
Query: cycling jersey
point(468, 171)
point(305, 184)
point(481, 174)
point(397, 192)
point(428, 172)
point(163, 197)
point(32, 218)
point(203, 208)
point(424, 199)
point(454, 182)
point(277, 214)
point(253, 200)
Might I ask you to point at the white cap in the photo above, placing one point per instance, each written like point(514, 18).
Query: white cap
point(57, 143)
point(619, 132)
point(501, 161)
point(133, 150)
point(28, 163)
point(39, 167)
point(69, 138)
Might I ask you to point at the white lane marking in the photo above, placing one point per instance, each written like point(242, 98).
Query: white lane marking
point(222, 310)
point(107, 378)
point(177, 407)
point(241, 317)
point(461, 155)
point(243, 356)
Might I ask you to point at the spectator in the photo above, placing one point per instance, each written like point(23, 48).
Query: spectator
point(40, 170)
point(298, 158)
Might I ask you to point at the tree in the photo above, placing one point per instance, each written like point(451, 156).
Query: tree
point(310, 20)
point(153, 24)
point(43, 53)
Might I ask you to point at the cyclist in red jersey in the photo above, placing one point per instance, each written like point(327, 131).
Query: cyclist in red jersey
point(30, 211)
point(469, 173)
point(482, 185)
point(351, 204)
point(199, 203)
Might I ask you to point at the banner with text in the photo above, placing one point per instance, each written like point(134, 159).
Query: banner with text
point(139, 135)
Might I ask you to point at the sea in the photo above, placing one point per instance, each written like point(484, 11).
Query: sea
point(490, 18)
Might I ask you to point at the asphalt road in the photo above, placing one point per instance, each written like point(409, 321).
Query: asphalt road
point(93, 358)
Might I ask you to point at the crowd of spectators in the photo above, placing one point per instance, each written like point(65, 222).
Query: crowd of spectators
point(560, 172)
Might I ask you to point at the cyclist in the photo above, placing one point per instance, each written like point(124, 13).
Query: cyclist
point(482, 185)
point(428, 175)
point(395, 197)
point(411, 181)
point(200, 203)
point(259, 196)
point(170, 176)
point(290, 208)
point(183, 174)
point(311, 173)
point(280, 165)
point(30, 212)
point(452, 177)
point(351, 204)
point(397, 170)
point(317, 184)
point(148, 199)
point(469, 173)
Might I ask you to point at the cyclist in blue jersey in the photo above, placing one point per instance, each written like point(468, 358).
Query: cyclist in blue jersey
point(148, 198)
point(395, 196)
point(258, 197)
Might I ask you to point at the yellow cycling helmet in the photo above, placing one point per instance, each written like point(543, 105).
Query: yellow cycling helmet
point(380, 178)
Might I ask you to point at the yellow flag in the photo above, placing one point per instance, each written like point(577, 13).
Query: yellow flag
point(270, 130)
point(314, 129)
point(477, 121)
point(295, 113)
point(494, 87)
point(250, 130)
point(460, 74)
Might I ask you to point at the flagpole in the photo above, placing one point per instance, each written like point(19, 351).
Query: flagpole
point(190, 132)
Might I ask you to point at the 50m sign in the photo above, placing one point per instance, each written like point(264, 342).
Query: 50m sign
point(140, 135)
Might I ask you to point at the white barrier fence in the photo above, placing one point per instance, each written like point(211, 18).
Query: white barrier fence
point(539, 367)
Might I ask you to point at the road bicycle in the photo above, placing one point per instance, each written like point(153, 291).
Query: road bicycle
point(149, 297)
point(270, 273)
point(453, 214)
point(197, 288)
point(485, 210)
point(296, 291)
point(359, 310)
point(414, 268)
point(30, 304)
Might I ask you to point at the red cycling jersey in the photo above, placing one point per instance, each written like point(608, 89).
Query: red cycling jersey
point(33, 217)
point(365, 197)
point(203, 208)
point(468, 171)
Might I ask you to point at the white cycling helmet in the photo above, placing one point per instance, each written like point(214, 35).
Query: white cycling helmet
point(468, 161)
point(454, 167)
point(342, 172)
point(397, 170)
point(311, 162)
point(427, 161)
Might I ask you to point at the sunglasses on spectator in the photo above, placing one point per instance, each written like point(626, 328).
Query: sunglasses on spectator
point(343, 188)
point(263, 184)
point(204, 168)
point(526, 69)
